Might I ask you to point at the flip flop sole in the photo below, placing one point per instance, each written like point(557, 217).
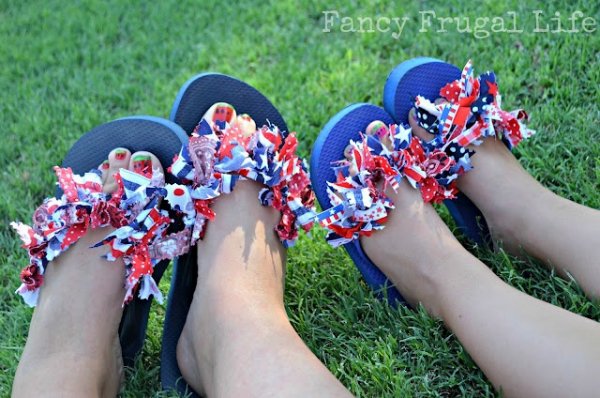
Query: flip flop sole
point(426, 76)
point(329, 147)
point(199, 93)
point(195, 97)
point(137, 133)
point(418, 76)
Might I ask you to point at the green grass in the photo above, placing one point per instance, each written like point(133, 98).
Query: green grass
point(67, 68)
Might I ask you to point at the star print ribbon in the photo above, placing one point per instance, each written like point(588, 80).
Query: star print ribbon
point(359, 206)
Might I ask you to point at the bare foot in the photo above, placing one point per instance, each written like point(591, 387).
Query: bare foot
point(415, 245)
point(241, 273)
point(241, 270)
point(237, 339)
point(73, 345)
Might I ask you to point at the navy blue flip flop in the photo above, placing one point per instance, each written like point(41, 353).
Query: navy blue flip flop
point(195, 97)
point(201, 91)
point(137, 133)
point(329, 147)
point(426, 76)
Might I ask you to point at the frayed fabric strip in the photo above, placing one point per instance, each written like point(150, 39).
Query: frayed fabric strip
point(140, 237)
point(218, 156)
point(472, 112)
point(359, 204)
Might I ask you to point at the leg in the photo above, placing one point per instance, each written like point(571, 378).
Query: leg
point(523, 214)
point(237, 340)
point(73, 345)
point(525, 346)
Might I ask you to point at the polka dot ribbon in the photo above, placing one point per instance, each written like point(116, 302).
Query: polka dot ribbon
point(471, 111)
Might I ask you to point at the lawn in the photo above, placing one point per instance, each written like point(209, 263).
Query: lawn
point(65, 68)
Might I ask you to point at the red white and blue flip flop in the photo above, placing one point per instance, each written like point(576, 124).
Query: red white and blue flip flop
point(80, 204)
point(328, 149)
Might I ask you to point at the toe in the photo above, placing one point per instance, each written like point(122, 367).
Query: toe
point(104, 167)
point(348, 152)
point(380, 130)
point(246, 124)
point(146, 164)
point(377, 128)
point(117, 159)
point(220, 115)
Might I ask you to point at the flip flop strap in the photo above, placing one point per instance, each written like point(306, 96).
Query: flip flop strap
point(359, 204)
point(140, 237)
point(473, 112)
point(214, 161)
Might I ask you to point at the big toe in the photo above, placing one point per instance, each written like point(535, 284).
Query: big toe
point(118, 158)
point(220, 115)
point(146, 164)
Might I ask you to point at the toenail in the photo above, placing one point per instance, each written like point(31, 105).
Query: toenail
point(142, 164)
point(120, 154)
point(377, 128)
point(246, 124)
point(220, 114)
point(413, 115)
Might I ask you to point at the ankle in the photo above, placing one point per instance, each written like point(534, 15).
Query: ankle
point(218, 306)
point(511, 219)
point(503, 190)
point(443, 265)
